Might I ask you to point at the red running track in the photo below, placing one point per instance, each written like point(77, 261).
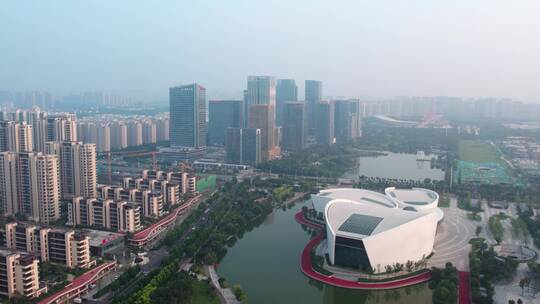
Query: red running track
point(464, 288)
point(305, 265)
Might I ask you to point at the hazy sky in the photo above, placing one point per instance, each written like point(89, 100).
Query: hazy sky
point(357, 48)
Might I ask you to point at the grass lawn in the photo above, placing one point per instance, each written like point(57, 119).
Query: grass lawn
point(203, 294)
point(477, 151)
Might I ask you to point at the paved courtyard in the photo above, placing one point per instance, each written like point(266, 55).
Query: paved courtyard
point(452, 239)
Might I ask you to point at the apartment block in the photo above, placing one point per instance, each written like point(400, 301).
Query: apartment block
point(56, 245)
point(19, 274)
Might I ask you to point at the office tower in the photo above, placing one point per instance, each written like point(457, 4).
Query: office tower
point(19, 273)
point(16, 136)
point(313, 91)
point(323, 114)
point(119, 135)
point(286, 91)
point(62, 127)
point(243, 146)
point(134, 129)
point(261, 117)
point(260, 90)
point(294, 126)
point(347, 120)
point(149, 131)
point(187, 106)
point(223, 114)
point(77, 168)
point(245, 109)
point(313, 95)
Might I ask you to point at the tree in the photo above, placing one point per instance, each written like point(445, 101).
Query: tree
point(522, 284)
point(409, 266)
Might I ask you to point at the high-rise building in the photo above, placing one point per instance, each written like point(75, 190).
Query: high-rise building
point(187, 107)
point(286, 91)
point(16, 136)
point(31, 185)
point(149, 132)
point(119, 135)
point(262, 117)
point(294, 126)
point(243, 146)
point(347, 120)
point(62, 127)
point(8, 186)
point(77, 168)
point(103, 143)
point(323, 114)
point(163, 129)
point(20, 274)
point(313, 91)
point(260, 90)
point(313, 95)
point(38, 120)
point(223, 114)
point(134, 130)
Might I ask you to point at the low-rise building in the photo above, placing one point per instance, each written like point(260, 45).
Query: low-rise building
point(104, 213)
point(57, 245)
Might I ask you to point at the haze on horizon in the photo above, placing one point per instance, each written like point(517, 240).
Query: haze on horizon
point(369, 49)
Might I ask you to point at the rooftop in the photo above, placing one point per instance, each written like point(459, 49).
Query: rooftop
point(413, 196)
point(359, 195)
point(360, 220)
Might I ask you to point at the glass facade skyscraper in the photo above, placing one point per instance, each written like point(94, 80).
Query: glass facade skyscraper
point(286, 91)
point(187, 106)
point(223, 114)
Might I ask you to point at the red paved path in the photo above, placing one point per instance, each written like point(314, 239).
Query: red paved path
point(305, 265)
point(464, 288)
point(79, 283)
point(143, 234)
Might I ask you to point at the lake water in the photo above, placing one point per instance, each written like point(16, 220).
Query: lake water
point(266, 263)
point(395, 165)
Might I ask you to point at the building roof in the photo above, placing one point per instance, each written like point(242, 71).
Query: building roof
point(360, 220)
point(359, 213)
point(359, 195)
point(413, 196)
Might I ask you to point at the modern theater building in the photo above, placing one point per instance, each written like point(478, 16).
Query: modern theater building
point(370, 229)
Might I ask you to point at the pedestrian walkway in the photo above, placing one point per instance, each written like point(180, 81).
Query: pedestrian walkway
point(225, 293)
point(307, 268)
point(464, 288)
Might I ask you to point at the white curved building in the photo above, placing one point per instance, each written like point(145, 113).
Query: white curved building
point(369, 229)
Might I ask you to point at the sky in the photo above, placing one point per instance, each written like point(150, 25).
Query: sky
point(368, 49)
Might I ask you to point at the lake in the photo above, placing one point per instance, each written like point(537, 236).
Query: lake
point(266, 263)
point(395, 165)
